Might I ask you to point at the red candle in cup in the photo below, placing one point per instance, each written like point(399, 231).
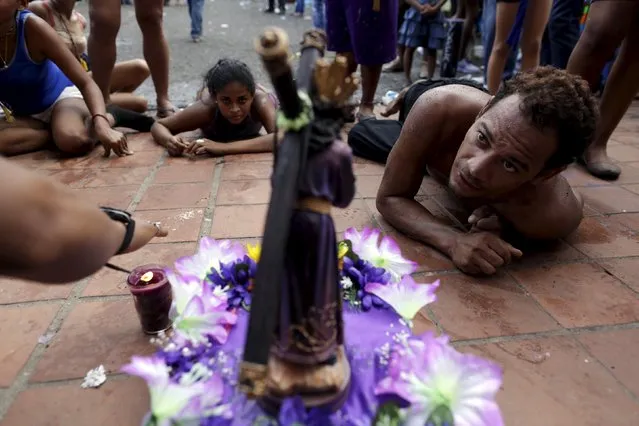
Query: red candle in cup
point(153, 296)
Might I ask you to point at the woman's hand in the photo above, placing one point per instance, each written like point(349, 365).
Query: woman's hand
point(428, 10)
point(112, 140)
point(144, 233)
point(175, 145)
point(205, 146)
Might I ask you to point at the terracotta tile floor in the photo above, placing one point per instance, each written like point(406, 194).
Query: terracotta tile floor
point(563, 322)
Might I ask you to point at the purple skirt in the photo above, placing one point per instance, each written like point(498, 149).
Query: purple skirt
point(353, 26)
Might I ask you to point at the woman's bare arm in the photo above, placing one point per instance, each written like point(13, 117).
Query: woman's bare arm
point(190, 118)
point(51, 235)
point(44, 43)
point(49, 46)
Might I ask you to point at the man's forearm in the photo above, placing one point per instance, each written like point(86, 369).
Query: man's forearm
point(414, 220)
point(49, 233)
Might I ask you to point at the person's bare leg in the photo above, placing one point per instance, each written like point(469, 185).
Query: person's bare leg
point(506, 14)
point(156, 50)
point(618, 94)
point(370, 79)
point(396, 64)
point(431, 61)
point(70, 127)
point(537, 15)
point(409, 52)
point(609, 22)
point(105, 23)
point(130, 101)
point(129, 75)
point(22, 136)
point(470, 10)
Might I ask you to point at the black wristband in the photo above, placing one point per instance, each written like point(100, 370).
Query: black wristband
point(125, 218)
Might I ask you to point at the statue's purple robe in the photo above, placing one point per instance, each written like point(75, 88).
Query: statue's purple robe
point(310, 325)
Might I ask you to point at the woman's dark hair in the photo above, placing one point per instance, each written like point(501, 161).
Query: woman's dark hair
point(228, 71)
point(552, 99)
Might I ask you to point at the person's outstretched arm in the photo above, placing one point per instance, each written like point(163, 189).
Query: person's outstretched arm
point(51, 235)
point(193, 117)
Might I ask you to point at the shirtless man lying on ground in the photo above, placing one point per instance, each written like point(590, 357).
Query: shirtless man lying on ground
point(500, 156)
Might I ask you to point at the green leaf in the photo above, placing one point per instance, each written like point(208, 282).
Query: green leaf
point(441, 416)
point(387, 415)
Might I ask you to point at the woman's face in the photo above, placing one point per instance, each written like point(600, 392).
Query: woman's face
point(234, 102)
point(8, 9)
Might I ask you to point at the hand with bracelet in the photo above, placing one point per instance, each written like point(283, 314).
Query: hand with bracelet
point(136, 235)
point(50, 234)
point(111, 139)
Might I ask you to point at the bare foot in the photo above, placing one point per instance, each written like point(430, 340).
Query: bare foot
point(600, 165)
point(365, 112)
point(165, 109)
point(394, 66)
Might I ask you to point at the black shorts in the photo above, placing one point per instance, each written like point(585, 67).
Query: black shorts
point(422, 86)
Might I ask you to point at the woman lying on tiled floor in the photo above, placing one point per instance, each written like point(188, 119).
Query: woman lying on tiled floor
point(230, 113)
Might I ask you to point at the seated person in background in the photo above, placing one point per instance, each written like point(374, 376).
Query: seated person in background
point(500, 156)
point(70, 25)
point(45, 94)
point(230, 112)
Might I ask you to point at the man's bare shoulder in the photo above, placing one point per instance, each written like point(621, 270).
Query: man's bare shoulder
point(451, 100)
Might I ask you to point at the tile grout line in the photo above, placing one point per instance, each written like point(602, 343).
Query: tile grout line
point(21, 380)
point(574, 331)
point(207, 219)
point(527, 293)
point(596, 359)
point(144, 186)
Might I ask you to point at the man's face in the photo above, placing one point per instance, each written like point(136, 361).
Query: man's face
point(501, 152)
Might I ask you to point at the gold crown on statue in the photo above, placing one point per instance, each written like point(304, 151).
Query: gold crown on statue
point(333, 82)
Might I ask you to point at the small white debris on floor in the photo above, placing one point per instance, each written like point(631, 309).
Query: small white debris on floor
point(94, 378)
point(46, 338)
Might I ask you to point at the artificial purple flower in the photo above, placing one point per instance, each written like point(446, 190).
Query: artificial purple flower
point(433, 377)
point(406, 297)
point(211, 253)
point(294, 413)
point(357, 274)
point(237, 277)
point(168, 399)
point(386, 255)
point(205, 316)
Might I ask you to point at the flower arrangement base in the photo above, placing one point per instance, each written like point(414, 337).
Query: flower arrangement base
point(396, 377)
point(317, 386)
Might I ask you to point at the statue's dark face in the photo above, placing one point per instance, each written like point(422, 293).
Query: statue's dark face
point(234, 102)
point(501, 152)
